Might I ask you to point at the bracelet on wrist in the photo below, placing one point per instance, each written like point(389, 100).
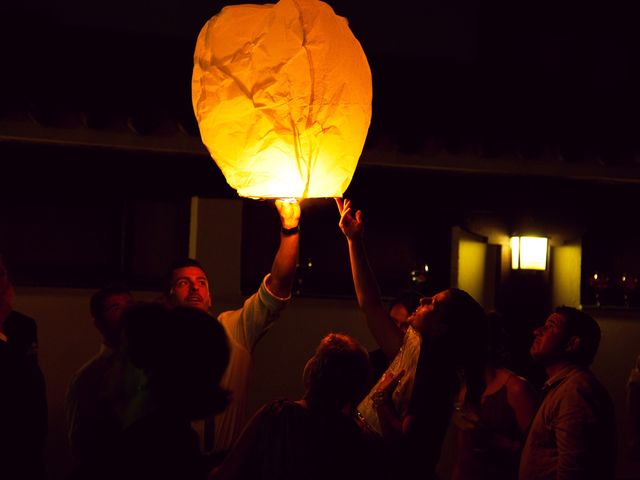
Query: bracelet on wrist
point(287, 232)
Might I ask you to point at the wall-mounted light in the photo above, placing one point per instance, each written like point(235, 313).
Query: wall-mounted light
point(529, 253)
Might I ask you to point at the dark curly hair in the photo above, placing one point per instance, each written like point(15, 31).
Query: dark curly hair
point(338, 373)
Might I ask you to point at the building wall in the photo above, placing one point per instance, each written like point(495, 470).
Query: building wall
point(619, 347)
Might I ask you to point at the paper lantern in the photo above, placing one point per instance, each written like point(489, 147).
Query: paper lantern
point(282, 95)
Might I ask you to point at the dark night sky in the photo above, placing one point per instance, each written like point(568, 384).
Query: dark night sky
point(453, 29)
point(438, 28)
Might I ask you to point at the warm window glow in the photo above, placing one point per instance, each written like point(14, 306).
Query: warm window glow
point(529, 253)
point(282, 95)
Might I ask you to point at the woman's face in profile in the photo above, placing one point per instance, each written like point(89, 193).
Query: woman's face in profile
point(427, 319)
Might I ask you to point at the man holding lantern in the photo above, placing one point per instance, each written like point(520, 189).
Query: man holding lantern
point(189, 286)
point(282, 95)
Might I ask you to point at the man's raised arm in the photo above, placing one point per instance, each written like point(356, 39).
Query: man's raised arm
point(284, 264)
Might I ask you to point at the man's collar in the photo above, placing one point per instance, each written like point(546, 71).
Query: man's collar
point(559, 377)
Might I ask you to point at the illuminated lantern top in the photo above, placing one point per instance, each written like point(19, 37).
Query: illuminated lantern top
point(282, 95)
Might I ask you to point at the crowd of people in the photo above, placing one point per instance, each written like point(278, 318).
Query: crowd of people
point(166, 395)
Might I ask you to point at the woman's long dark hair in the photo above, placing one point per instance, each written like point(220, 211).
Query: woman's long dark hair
point(467, 337)
point(461, 349)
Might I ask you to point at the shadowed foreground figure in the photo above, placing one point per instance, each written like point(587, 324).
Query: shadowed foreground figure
point(633, 412)
point(183, 353)
point(100, 390)
point(23, 398)
point(573, 435)
point(315, 437)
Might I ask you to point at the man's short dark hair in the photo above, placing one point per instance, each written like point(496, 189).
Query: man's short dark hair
point(583, 326)
point(180, 263)
point(96, 304)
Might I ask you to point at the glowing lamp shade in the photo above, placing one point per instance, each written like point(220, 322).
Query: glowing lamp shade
point(529, 253)
point(282, 95)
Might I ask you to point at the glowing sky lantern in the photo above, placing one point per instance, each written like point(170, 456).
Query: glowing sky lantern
point(282, 95)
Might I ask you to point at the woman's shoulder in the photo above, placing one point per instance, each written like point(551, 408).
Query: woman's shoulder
point(517, 385)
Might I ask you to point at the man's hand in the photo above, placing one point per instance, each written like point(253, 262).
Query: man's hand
point(289, 211)
point(352, 227)
point(284, 264)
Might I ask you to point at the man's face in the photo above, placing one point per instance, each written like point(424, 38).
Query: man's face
point(189, 287)
point(111, 314)
point(427, 319)
point(549, 344)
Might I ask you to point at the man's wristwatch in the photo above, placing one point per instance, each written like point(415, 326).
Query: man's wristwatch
point(287, 232)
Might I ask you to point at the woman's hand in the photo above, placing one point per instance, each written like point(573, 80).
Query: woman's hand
point(352, 227)
point(385, 389)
